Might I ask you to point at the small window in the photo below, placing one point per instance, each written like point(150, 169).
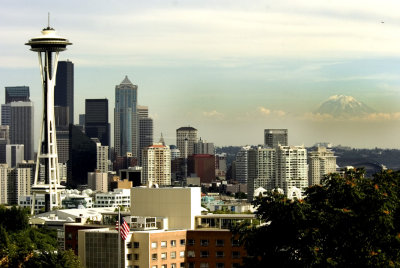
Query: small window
point(190, 264)
point(204, 242)
point(129, 257)
point(136, 244)
point(204, 254)
point(191, 254)
point(136, 257)
point(182, 254)
point(164, 266)
point(235, 254)
point(182, 242)
point(154, 245)
point(204, 265)
point(129, 245)
point(220, 265)
point(154, 256)
point(173, 265)
point(219, 243)
point(182, 265)
point(173, 254)
point(191, 242)
point(235, 265)
point(173, 243)
point(219, 254)
point(164, 255)
point(154, 266)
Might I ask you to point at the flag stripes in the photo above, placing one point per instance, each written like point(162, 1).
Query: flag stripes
point(124, 228)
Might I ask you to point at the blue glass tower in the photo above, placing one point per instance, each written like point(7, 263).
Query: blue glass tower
point(126, 127)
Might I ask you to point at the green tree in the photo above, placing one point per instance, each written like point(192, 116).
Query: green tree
point(349, 221)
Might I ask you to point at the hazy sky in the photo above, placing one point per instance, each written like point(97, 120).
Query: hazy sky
point(228, 68)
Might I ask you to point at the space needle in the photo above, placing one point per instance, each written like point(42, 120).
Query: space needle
point(48, 46)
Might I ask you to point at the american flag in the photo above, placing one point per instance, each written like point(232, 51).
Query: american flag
point(124, 228)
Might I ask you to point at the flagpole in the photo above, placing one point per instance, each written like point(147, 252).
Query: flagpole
point(119, 237)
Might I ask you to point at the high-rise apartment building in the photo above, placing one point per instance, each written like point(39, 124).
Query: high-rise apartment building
point(274, 137)
point(261, 169)
point(186, 137)
point(19, 180)
point(4, 171)
point(96, 120)
point(145, 129)
point(126, 127)
point(291, 170)
point(101, 157)
point(20, 93)
point(241, 166)
point(19, 116)
point(14, 154)
point(321, 162)
point(203, 147)
point(64, 88)
point(4, 140)
point(157, 164)
point(98, 181)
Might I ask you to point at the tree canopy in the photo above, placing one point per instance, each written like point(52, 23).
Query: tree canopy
point(348, 221)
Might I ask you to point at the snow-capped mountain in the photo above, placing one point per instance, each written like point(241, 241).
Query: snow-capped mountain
point(340, 105)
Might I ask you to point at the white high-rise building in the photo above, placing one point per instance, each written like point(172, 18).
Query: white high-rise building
point(242, 174)
point(19, 180)
point(4, 171)
point(261, 170)
point(321, 162)
point(291, 170)
point(156, 164)
point(101, 157)
point(14, 154)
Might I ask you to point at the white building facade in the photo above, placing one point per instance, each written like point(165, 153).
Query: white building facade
point(156, 165)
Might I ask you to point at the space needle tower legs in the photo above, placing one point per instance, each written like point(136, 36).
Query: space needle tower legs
point(48, 45)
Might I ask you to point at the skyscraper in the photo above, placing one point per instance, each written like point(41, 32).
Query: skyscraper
point(321, 162)
point(19, 117)
point(126, 128)
point(274, 137)
point(189, 134)
point(96, 120)
point(14, 154)
point(145, 129)
point(157, 164)
point(20, 93)
point(242, 172)
point(64, 88)
point(203, 147)
point(291, 170)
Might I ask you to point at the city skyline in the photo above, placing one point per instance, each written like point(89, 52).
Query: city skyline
point(227, 68)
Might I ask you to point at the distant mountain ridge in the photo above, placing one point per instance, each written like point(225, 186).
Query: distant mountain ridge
point(344, 106)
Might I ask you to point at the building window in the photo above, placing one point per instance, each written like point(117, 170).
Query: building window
point(136, 266)
point(164, 266)
point(154, 256)
point(220, 265)
point(182, 242)
point(173, 254)
point(154, 245)
point(163, 244)
point(173, 265)
point(235, 254)
point(164, 255)
point(204, 265)
point(129, 245)
point(182, 265)
point(235, 265)
point(69, 236)
point(173, 243)
point(154, 266)
point(219, 243)
point(190, 254)
point(204, 242)
point(129, 257)
point(190, 264)
point(204, 254)
point(136, 244)
point(190, 242)
point(136, 257)
point(182, 254)
point(220, 254)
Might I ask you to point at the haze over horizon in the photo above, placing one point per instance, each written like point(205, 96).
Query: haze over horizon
point(228, 68)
